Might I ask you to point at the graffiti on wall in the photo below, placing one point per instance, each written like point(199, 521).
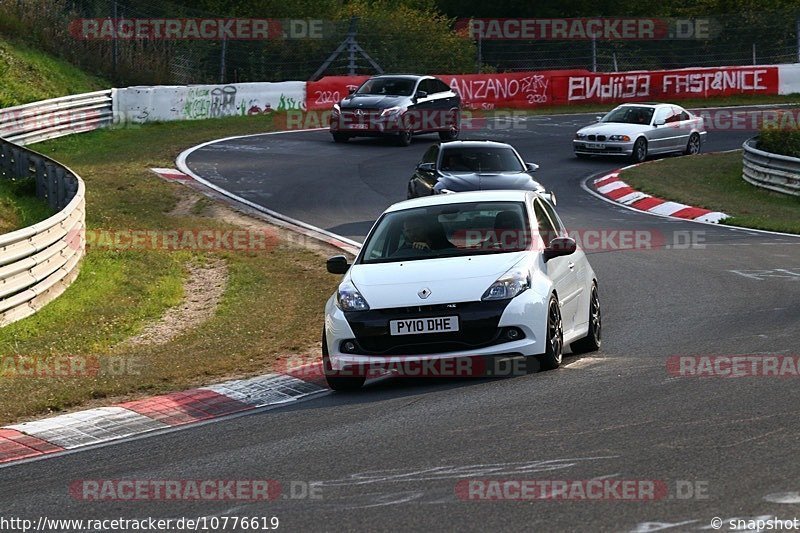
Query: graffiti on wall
point(228, 100)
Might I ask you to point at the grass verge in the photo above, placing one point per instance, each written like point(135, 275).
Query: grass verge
point(19, 206)
point(28, 75)
point(714, 181)
point(272, 304)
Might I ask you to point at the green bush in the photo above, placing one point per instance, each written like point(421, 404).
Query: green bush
point(780, 141)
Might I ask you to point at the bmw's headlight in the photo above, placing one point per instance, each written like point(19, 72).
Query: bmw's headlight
point(623, 138)
point(349, 299)
point(390, 111)
point(510, 284)
point(580, 135)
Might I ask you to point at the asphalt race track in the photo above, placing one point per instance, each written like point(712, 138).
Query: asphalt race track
point(390, 456)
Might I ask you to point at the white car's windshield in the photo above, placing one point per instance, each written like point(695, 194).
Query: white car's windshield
point(494, 159)
point(387, 87)
point(448, 231)
point(630, 115)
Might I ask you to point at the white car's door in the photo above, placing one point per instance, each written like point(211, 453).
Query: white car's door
point(562, 270)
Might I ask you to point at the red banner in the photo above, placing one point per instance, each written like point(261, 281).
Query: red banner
point(566, 87)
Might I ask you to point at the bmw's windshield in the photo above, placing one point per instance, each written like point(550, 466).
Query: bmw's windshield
point(630, 115)
point(489, 159)
point(448, 231)
point(387, 87)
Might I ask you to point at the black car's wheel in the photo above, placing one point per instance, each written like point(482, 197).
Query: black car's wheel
point(455, 127)
point(693, 146)
point(639, 150)
point(551, 358)
point(340, 137)
point(594, 337)
point(335, 381)
point(404, 137)
point(410, 193)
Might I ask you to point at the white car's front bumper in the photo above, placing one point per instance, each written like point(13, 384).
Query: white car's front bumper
point(526, 312)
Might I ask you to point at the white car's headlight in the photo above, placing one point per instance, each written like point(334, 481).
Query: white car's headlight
point(580, 135)
point(389, 111)
point(349, 299)
point(623, 138)
point(510, 284)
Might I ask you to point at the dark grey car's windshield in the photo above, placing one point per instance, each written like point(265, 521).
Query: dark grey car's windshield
point(630, 115)
point(388, 87)
point(489, 159)
point(448, 231)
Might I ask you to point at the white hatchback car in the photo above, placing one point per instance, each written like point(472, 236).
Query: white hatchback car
point(451, 276)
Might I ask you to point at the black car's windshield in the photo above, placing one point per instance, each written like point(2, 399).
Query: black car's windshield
point(630, 115)
point(452, 230)
point(388, 86)
point(489, 159)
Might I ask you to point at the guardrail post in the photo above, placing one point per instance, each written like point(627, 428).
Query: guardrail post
point(52, 193)
point(61, 190)
point(40, 175)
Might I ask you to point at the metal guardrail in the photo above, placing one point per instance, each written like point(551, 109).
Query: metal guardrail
point(39, 262)
point(779, 173)
point(39, 121)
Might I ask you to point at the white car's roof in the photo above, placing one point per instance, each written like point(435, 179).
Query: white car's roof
point(462, 197)
point(646, 104)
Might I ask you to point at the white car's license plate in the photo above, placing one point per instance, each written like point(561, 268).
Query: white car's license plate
point(357, 126)
point(596, 146)
point(414, 326)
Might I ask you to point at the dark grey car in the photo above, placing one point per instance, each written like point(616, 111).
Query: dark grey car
point(397, 106)
point(459, 166)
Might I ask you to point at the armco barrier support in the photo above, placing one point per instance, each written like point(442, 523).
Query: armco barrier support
point(779, 173)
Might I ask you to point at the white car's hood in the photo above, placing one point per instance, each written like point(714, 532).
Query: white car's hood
point(448, 280)
point(615, 128)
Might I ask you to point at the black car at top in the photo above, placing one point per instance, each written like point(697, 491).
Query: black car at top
point(459, 166)
point(397, 106)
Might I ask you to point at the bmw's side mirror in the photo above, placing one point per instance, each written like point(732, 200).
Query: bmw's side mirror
point(532, 167)
point(659, 122)
point(337, 264)
point(598, 118)
point(560, 246)
point(426, 167)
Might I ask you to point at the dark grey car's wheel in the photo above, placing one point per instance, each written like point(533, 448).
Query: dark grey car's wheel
point(594, 337)
point(551, 358)
point(693, 146)
point(340, 137)
point(639, 150)
point(335, 380)
point(455, 128)
point(404, 138)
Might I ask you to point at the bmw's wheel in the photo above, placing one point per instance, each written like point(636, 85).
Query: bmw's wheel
point(336, 381)
point(454, 130)
point(693, 146)
point(340, 137)
point(594, 337)
point(551, 358)
point(404, 138)
point(639, 150)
